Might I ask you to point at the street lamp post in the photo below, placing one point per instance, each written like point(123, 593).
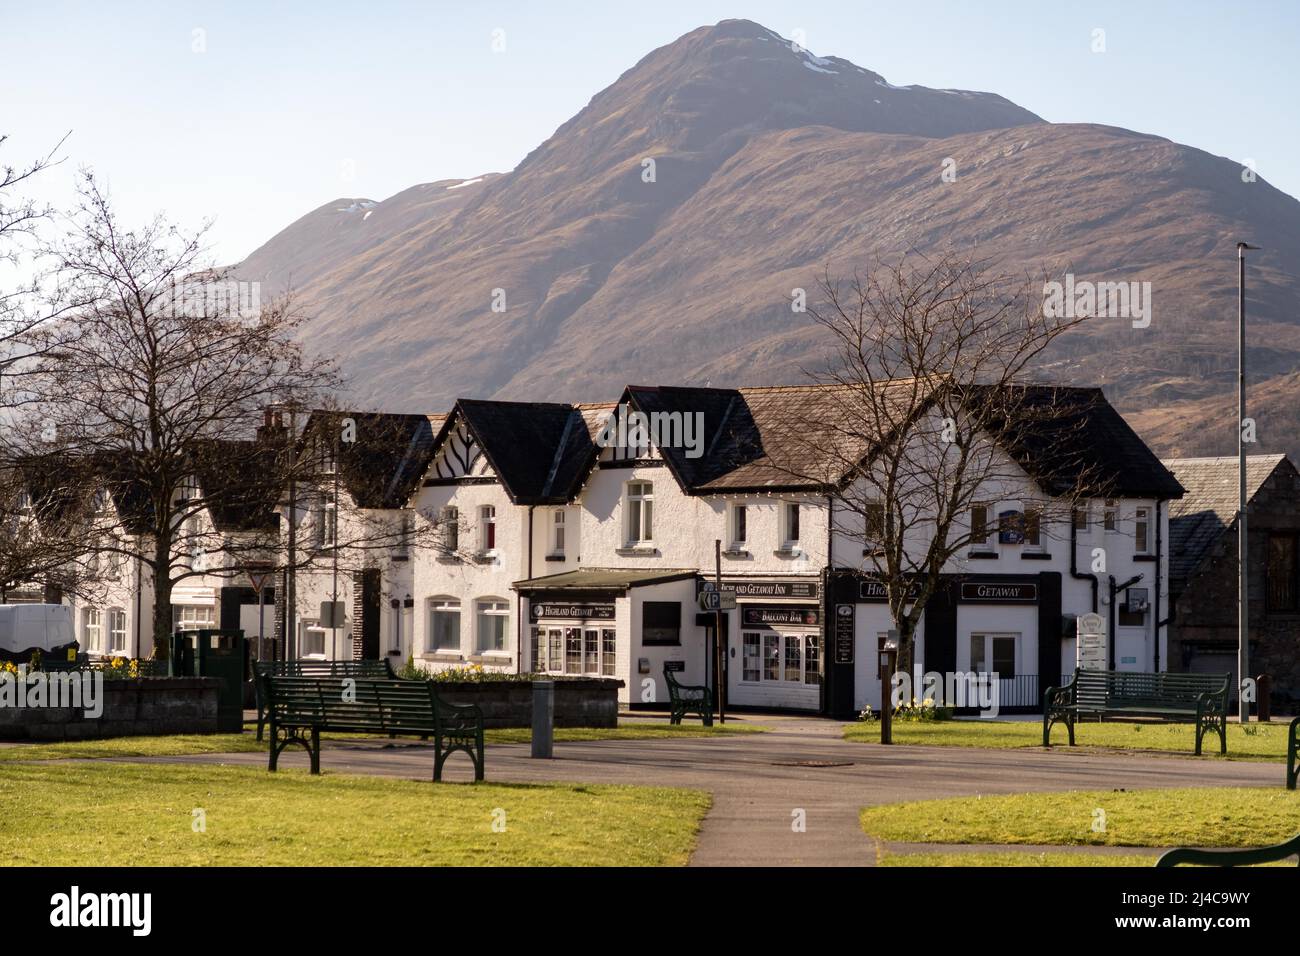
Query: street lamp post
point(1243, 606)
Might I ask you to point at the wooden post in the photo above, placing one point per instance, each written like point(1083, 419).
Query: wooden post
point(719, 653)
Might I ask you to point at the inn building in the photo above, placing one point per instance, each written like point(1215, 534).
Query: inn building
point(569, 546)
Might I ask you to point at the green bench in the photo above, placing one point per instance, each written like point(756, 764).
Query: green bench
point(686, 699)
point(299, 708)
point(1293, 754)
point(1250, 856)
point(1179, 698)
point(373, 670)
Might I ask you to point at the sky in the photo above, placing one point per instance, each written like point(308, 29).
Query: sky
point(252, 114)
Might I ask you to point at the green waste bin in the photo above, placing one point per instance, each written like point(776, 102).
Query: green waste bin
point(220, 653)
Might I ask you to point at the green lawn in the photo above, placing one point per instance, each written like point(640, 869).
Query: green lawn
point(124, 814)
point(1253, 742)
point(1219, 816)
point(169, 746)
point(1011, 858)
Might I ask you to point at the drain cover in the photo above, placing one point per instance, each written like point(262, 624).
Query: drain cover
point(812, 763)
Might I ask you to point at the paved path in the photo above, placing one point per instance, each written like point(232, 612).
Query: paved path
point(758, 786)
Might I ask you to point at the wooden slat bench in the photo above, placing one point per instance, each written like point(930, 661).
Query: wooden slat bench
point(1180, 698)
point(1250, 856)
point(299, 708)
point(1293, 754)
point(374, 670)
point(686, 699)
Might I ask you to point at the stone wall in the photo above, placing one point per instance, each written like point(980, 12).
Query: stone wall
point(1203, 634)
point(131, 708)
point(579, 702)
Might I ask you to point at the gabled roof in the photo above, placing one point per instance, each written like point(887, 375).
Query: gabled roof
point(759, 439)
point(383, 466)
point(1209, 508)
point(240, 482)
point(538, 450)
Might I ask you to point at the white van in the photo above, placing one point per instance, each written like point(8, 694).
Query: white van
point(34, 627)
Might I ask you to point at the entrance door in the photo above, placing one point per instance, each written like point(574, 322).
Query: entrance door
point(778, 668)
point(370, 586)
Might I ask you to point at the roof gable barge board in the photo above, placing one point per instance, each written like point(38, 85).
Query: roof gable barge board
point(532, 448)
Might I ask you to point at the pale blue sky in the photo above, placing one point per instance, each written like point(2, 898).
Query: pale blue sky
point(295, 104)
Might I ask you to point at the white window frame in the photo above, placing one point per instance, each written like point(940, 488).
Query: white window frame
point(791, 527)
point(1142, 519)
point(638, 506)
point(1037, 513)
point(494, 608)
point(738, 525)
point(988, 530)
point(559, 525)
point(312, 631)
point(117, 636)
point(449, 530)
point(988, 638)
point(194, 617)
point(446, 605)
point(487, 533)
point(93, 629)
point(1110, 515)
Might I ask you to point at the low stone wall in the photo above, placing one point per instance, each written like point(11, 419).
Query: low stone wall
point(132, 708)
point(579, 702)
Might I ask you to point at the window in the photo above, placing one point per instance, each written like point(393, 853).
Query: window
point(998, 649)
point(188, 491)
point(313, 641)
point(493, 617)
point(751, 657)
point(1280, 572)
point(537, 649)
point(739, 526)
point(771, 657)
point(1079, 516)
point(117, 631)
point(325, 456)
point(591, 651)
point(811, 656)
point(1109, 514)
point(573, 650)
point(405, 531)
point(487, 536)
point(444, 624)
point(558, 517)
point(608, 646)
point(979, 526)
point(790, 525)
point(1133, 612)
point(449, 520)
point(640, 512)
point(661, 622)
point(1142, 531)
point(1033, 528)
point(874, 523)
point(194, 618)
point(324, 522)
point(94, 630)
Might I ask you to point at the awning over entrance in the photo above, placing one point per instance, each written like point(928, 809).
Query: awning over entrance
point(604, 579)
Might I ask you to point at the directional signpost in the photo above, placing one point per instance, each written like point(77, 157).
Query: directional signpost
point(712, 600)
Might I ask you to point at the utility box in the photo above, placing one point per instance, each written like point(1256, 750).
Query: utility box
point(215, 653)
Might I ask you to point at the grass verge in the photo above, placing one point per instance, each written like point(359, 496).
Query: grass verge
point(168, 746)
point(1254, 742)
point(1212, 816)
point(123, 814)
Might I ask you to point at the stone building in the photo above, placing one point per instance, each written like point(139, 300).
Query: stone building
point(1203, 570)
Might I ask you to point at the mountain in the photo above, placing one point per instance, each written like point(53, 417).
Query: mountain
point(770, 166)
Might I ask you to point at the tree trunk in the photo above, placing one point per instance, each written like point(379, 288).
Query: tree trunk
point(162, 600)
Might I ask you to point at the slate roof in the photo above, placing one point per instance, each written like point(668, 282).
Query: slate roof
point(384, 465)
point(538, 450)
point(1209, 508)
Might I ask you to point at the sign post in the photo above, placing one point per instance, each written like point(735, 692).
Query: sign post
point(258, 580)
point(1090, 642)
point(888, 655)
point(717, 631)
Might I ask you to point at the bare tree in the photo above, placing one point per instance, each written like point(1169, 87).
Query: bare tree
point(927, 414)
point(155, 383)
